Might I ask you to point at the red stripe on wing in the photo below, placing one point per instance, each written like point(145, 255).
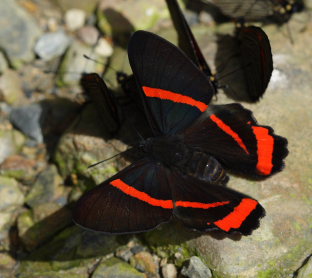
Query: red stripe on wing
point(235, 219)
point(229, 131)
point(131, 191)
point(164, 94)
point(265, 149)
point(188, 204)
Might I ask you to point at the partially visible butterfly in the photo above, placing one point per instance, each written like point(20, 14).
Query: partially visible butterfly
point(278, 11)
point(251, 48)
point(181, 170)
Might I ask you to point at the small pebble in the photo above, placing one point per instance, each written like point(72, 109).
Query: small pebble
point(75, 19)
point(88, 34)
point(103, 48)
point(196, 269)
point(52, 45)
point(169, 271)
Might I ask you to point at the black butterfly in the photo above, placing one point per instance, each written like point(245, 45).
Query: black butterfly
point(248, 69)
point(181, 172)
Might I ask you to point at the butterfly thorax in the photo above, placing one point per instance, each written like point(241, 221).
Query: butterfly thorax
point(173, 153)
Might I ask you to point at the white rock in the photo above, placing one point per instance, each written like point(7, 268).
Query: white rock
point(169, 271)
point(75, 19)
point(103, 48)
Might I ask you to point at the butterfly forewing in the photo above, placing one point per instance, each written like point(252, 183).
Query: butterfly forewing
point(174, 90)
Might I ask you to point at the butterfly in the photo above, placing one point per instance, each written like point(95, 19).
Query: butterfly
point(277, 11)
point(246, 71)
point(181, 171)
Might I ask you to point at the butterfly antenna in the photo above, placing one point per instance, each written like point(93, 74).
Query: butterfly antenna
point(97, 163)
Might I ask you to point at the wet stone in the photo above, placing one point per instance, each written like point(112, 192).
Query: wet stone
point(9, 143)
point(52, 45)
point(124, 253)
point(196, 269)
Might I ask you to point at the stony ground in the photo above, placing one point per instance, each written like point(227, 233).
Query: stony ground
point(49, 136)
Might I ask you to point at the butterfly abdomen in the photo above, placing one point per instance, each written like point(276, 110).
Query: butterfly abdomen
point(173, 153)
point(205, 167)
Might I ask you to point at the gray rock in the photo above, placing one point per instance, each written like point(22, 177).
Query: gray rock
point(115, 268)
point(11, 87)
point(47, 188)
point(196, 269)
point(74, 19)
point(18, 32)
point(52, 45)
point(28, 120)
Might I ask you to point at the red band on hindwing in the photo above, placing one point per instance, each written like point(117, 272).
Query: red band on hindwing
point(164, 94)
point(235, 219)
point(131, 191)
point(265, 144)
point(229, 131)
point(187, 204)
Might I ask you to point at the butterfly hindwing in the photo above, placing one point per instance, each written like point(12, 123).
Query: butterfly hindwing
point(174, 90)
point(136, 199)
point(231, 134)
point(205, 207)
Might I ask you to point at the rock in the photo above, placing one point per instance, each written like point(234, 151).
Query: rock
point(306, 270)
point(120, 18)
point(3, 63)
point(11, 198)
point(87, 6)
point(40, 224)
point(84, 145)
point(115, 268)
point(124, 253)
point(11, 88)
point(20, 168)
point(103, 48)
point(74, 19)
point(10, 142)
point(75, 64)
point(88, 34)
point(28, 120)
point(170, 271)
point(196, 269)
point(52, 45)
point(144, 262)
point(18, 32)
point(73, 252)
point(47, 188)
point(7, 264)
